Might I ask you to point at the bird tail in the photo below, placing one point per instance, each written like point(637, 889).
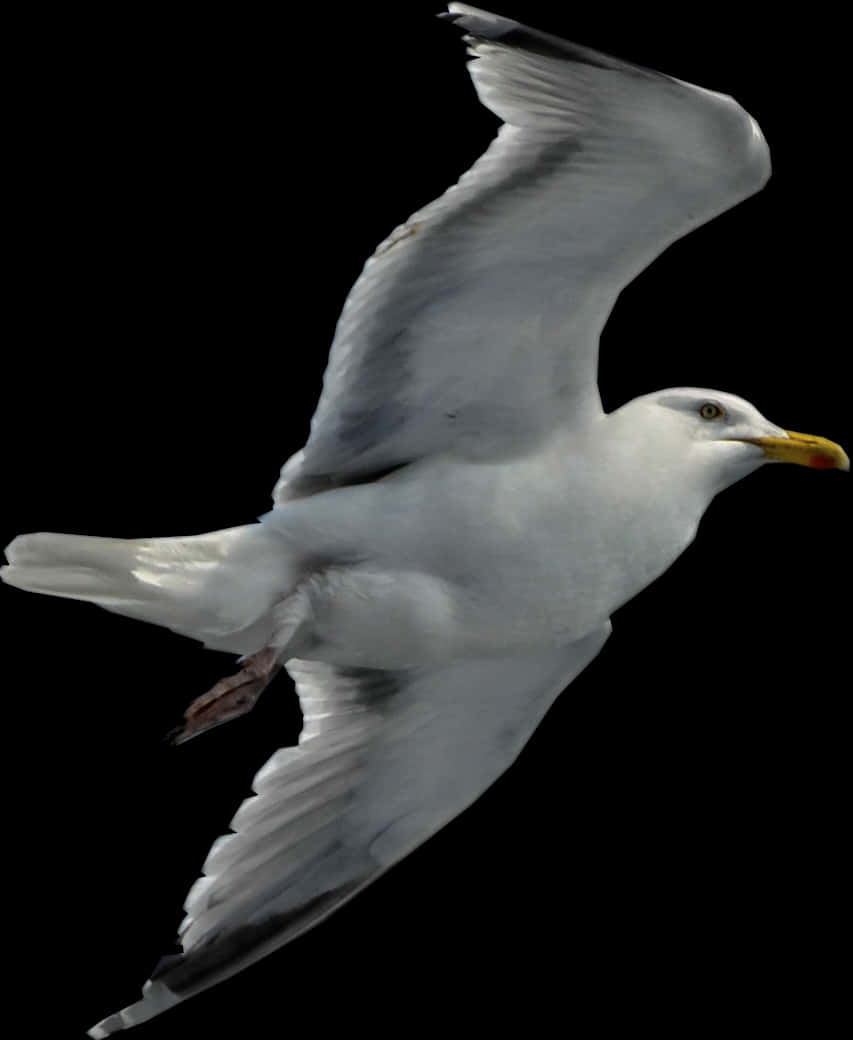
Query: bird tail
point(217, 587)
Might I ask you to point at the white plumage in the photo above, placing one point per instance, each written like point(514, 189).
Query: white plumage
point(444, 554)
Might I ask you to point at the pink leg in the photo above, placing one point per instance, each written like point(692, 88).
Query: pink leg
point(230, 697)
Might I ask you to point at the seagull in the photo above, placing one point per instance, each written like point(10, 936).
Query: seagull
point(444, 554)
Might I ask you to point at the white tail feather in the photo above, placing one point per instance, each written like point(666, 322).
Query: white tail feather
point(212, 587)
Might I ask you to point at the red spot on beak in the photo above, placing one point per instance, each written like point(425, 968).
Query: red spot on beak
point(821, 462)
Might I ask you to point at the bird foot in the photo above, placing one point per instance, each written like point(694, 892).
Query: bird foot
point(230, 697)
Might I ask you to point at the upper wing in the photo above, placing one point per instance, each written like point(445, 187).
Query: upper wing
point(385, 760)
point(476, 323)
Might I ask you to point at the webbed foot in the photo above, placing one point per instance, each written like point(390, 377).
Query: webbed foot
point(230, 697)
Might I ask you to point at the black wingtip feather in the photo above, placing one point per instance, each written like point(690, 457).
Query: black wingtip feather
point(226, 953)
point(513, 34)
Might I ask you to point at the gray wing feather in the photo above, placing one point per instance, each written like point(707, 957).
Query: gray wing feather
point(474, 326)
point(385, 760)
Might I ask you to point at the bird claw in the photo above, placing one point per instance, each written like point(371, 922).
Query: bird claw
point(230, 698)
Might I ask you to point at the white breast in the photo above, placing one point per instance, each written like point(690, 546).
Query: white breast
point(453, 558)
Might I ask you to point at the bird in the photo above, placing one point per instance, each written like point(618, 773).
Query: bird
point(444, 554)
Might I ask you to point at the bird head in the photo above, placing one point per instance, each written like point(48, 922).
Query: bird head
point(722, 436)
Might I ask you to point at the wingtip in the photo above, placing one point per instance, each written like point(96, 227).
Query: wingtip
point(107, 1026)
point(156, 998)
point(476, 20)
point(485, 26)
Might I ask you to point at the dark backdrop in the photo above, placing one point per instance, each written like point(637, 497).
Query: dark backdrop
point(192, 197)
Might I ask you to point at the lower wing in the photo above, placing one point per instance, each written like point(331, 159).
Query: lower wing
point(385, 760)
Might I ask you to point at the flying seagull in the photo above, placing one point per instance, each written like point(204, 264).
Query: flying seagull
point(444, 554)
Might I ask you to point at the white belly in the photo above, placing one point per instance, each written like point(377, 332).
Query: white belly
point(452, 559)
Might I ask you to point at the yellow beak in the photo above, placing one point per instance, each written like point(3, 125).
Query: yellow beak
point(804, 450)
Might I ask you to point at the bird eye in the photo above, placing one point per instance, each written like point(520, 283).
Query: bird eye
point(709, 411)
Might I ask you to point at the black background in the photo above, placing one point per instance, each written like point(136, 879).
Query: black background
point(192, 198)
